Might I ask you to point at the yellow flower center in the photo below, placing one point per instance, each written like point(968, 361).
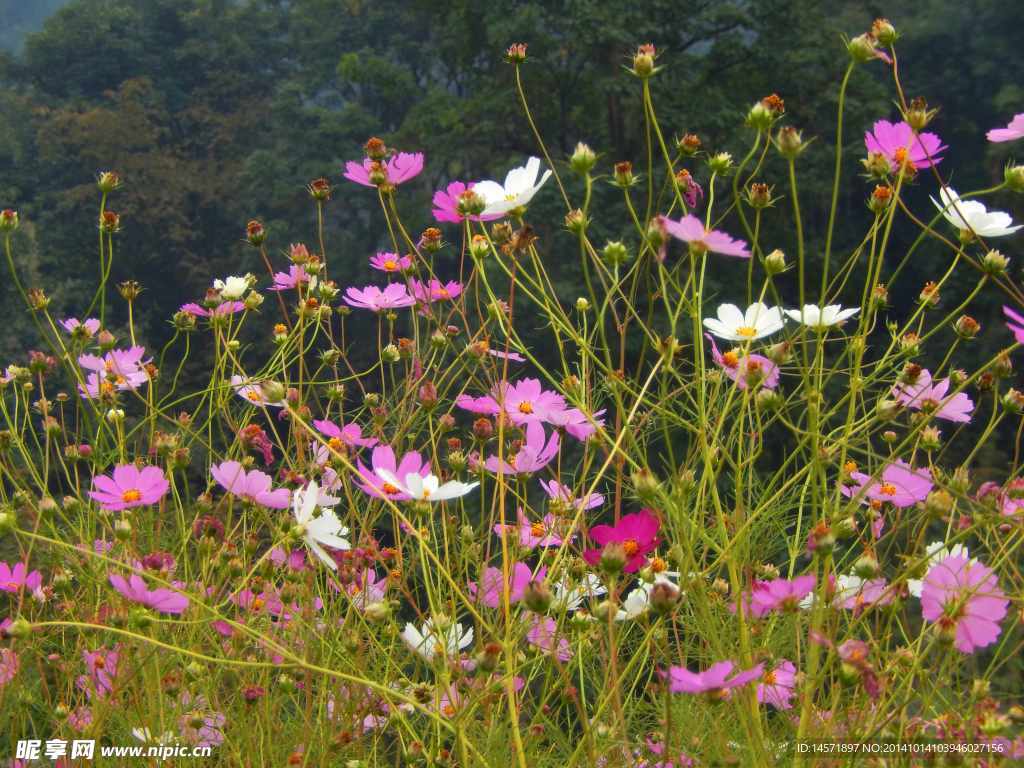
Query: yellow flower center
point(888, 489)
point(730, 359)
point(254, 395)
point(390, 265)
point(336, 444)
point(769, 678)
point(443, 293)
point(631, 547)
point(390, 489)
point(257, 603)
point(537, 529)
point(132, 494)
point(746, 331)
point(658, 565)
point(526, 407)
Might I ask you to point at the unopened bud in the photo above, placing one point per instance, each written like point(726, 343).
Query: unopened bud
point(775, 262)
point(994, 263)
point(582, 159)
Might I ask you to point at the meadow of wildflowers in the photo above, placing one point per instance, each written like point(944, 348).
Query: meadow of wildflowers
point(691, 530)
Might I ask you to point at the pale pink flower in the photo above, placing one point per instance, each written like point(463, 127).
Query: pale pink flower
point(397, 170)
point(394, 296)
point(129, 487)
point(162, 600)
point(963, 597)
point(1012, 132)
point(899, 144)
point(254, 486)
point(691, 230)
point(390, 262)
point(930, 397)
point(715, 680)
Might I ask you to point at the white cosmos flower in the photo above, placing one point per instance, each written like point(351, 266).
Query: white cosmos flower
point(427, 487)
point(567, 596)
point(520, 186)
point(757, 322)
point(146, 737)
point(937, 552)
point(233, 288)
point(973, 216)
point(319, 529)
point(435, 641)
point(822, 317)
point(639, 600)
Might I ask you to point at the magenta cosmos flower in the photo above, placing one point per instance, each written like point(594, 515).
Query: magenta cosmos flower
point(930, 397)
point(254, 486)
point(101, 672)
point(161, 600)
point(383, 457)
point(350, 434)
point(745, 370)
point(458, 202)
point(1015, 322)
point(715, 680)
point(394, 296)
point(963, 597)
point(397, 170)
point(1012, 132)
point(779, 595)
point(129, 487)
point(899, 144)
point(691, 230)
point(535, 453)
point(293, 278)
point(17, 578)
point(390, 262)
point(776, 686)
point(899, 485)
point(435, 290)
point(543, 634)
point(636, 532)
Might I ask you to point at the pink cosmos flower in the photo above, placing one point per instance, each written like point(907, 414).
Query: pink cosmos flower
point(394, 296)
point(745, 369)
point(129, 487)
point(1015, 322)
point(162, 600)
point(398, 169)
point(383, 457)
point(964, 598)
point(350, 434)
point(87, 328)
point(563, 493)
point(899, 144)
point(450, 204)
point(117, 370)
point(8, 665)
point(547, 532)
point(779, 594)
point(252, 391)
point(636, 532)
point(930, 397)
point(543, 634)
point(196, 710)
point(691, 230)
point(503, 355)
point(254, 486)
point(101, 670)
point(294, 560)
point(899, 485)
point(534, 454)
point(526, 401)
point(222, 309)
point(714, 680)
point(490, 591)
point(1012, 132)
point(856, 594)
point(367, 589)
point(293, 278)
point(386, 261)
point(435, 290)
point(17, 578)
point(776, 686)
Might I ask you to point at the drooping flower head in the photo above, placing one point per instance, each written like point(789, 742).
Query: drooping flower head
point(963, 597)
point(128, 487)
point(637, 533)
point(254, 486)
point(252, 392)
point(691, 230)
point(902, 147)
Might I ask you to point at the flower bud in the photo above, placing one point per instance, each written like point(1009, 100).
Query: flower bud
point(613, 558)
point(8, 220)
point(479, 247)
point(319, 189)
point(758, 195)
point(1014, 178)
point(110, 222)
point(931, 439)
point(966, 327)
point(390, 354)
point(108, 181)
point(615, 253)
point(720, 163)
point(789, 142)
point(646, 485)
point(255, 234)
point(939, 503)
point(430, 240)
point(115, 415)
point(470, 203)
point(775, 262)
point(537, 596)
point(862, 48)
point(19, 628)
point(994, 263)
point(1013, 401)
point(918, 115)
point(623, 174)
point(689, 144)
point(122, 530)
point(866, 567)
point(884, 32)
point(582, 305)
point(643, 61)
point(516, 53)
point(880, 199)
point(582, 159)
point(7, 522)
point(664, 597)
